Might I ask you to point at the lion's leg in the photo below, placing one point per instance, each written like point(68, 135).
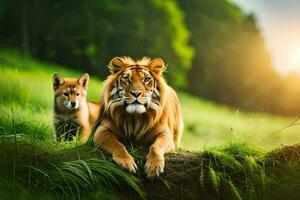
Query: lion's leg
point(109, 143)
point(155, 161)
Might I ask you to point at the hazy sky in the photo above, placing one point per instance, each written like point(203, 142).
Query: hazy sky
point(279, 21)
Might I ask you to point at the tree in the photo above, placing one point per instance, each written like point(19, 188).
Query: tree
point(87, 34)
point(231, 65)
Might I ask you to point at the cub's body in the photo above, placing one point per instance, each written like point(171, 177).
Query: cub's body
point(72, 113)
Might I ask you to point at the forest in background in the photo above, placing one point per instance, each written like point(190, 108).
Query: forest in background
point(212, 48)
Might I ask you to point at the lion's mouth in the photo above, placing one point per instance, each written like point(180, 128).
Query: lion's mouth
point(135, 107)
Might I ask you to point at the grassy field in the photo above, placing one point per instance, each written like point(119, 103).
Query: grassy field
point(26, 103)
point(26, 96)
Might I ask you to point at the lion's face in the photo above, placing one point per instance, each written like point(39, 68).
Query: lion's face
point(138, 87)
point(135, 86)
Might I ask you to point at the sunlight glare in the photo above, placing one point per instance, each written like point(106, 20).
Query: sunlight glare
point(295, 59)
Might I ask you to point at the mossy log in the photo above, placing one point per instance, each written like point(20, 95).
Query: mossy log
point(180, 179)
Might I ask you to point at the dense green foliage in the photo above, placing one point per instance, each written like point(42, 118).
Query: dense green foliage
point(212, 48)
point(89, 33)
point(78, 177)
point(238, 171)
point(231, 58)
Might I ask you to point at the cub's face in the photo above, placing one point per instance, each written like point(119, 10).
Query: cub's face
point(135, 86)
point(69, 93)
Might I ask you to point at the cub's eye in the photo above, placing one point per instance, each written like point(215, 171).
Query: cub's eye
point(147, 79)
point(66, 94)
point(77, 94)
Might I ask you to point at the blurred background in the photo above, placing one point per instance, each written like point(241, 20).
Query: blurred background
point(245, 54)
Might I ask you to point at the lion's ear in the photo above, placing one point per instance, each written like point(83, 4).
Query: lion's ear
point(157, 65)
point(116, 65)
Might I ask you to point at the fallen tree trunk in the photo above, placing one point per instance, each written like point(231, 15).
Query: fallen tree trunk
point(181, 177)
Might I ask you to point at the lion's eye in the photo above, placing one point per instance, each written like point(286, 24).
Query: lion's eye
point(126, 79)
point(77, 94)
point(147, 79)
point(66, 94)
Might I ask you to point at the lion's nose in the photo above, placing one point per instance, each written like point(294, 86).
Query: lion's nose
point(136, 93)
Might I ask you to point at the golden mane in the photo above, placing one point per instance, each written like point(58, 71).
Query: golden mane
point(160, 124)
point(144, 61)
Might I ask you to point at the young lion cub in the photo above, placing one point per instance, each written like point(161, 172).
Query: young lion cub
point(72, 113)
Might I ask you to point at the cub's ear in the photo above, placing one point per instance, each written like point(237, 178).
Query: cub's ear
point(57, 80)
point(84, 80)
point(157, 66)
point(116, 65)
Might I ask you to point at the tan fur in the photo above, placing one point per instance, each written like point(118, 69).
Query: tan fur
point(69, 121)
point(139, 107)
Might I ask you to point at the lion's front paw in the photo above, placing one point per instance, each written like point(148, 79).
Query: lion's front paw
point(126, 161)
point(154, 165)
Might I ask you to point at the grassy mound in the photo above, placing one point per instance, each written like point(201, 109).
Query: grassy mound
point(235, 171)
point(29, 170)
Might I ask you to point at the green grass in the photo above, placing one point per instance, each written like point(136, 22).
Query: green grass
point(26, 104)
point(209, 124)
point(237, 170)
point(26, 91)
point(34, 170)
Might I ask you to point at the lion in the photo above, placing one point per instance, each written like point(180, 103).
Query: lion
point(139, 107)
